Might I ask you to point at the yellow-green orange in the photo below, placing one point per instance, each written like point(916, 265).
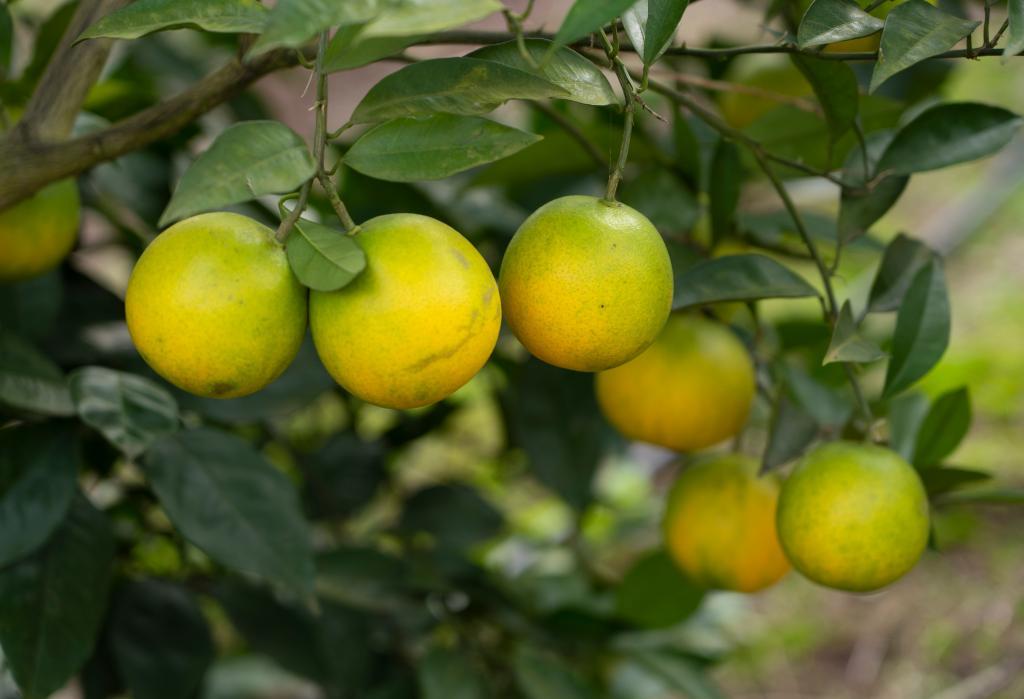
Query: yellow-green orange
point(719, 525)
point(39, 232)
point(853, 516)
point(418, 323)
point(586, 284)
point(214, 308)
point(690, 389)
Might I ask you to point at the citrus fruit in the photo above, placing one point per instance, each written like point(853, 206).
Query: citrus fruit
point(214, 308)
point(586, 284)
point(690, 389)
point(719, 525)
point(418, 323)
point(39, 232)
point(853, 516)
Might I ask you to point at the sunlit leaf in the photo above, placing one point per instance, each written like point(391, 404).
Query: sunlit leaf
point(847, 344)
point(294, 22)
point(323, 258)
point(586, 16)
point(651, 26)
point(943, 428)
point(413, 17)
point(830, 21)
point(147, 16)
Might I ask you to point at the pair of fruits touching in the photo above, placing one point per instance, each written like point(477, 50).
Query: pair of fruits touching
point(213, 307)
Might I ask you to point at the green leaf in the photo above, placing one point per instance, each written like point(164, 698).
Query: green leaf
point(323, 258)
point(847, 344)
point(416, 17)
point(129, 410)
point(654, 593)
point(664, 199)
point(922, 329)
point(455, 515)
point(651, 26)
point(914, 31)
point(679, 672)
point(948, 134)
point(363, 578)
point(1015, 37)
point(725, 179)
point(160, 640)
point(828, 408)
point(52, 603)
point(582, 81)
point(939, 481)
point(829, 21)
point(859, 210)
point(294, 22)
point(738, 278)
point(903, 259)
point(687, 149)
point(943, 428)
point(229, 501)
point(465, 86)
point(147, 16)
point(30, 381)
point(542, 676)
point(449, 674)
point(342, 476)
point(906, 415)
point(408, 150)
point(792, 431)
point(30, 308)
point(587, 16)
point(246, 161)
point(351, 48)
point(994, 496)
point(835, 86)
point(38, 474)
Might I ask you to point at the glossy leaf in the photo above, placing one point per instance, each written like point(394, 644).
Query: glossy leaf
point(455, 515)
point(409, 150)
point(939, 481)
point(1015, 35)
point(38, 475)
point(792, 431)
point(450, 674)
point(738, 278)
point(324, 259)
point(129, 410)
point(582, 81)
point(835, 86)
point(52, 603)
point(651, 26)
point(943, 428)
point(725, 179)
point(847, 344)
point(292, 23)
point(654, 593)
point(903, 259)
point(30, 381)
point(587, 16)
point(160, 640)
point(922, 329)
point(829, 21)
point(465, 86)
point(914, 31)
point(859, 209)
point(351, 48)
point(147, 16)
point(542, 676)
point(906, 415)
point(414, 17)
point(948, 134)
point(229, 501)
point(246, 161)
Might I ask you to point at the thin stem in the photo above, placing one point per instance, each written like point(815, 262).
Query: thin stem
point(289, 220)
point(321, 136)
point(574, 132)
point(988, 18)
point(630, 96)
point(999, 34)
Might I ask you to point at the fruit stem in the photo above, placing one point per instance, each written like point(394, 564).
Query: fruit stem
point(321, 136)
point(629, 95)
point(288, 220)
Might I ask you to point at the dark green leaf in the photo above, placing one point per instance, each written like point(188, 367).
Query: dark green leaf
point(738, 278)
point(323, 258)
point(943, 428)
point(664, 199)
point(37, 481)
point(246, 161)
point(655, 594)
point(414, 17)
point(903, 259)
point(586, 16)
point(351, 48)
point(687, 148)
point(994, 496)
point(543, 676)
point(52, 603)
point(939, 481)
point(455, 515)
point(835, 86)
point(859, 209)
point(1015, 38)
point(651, 26)
point(147, 16)
point(407, 150)
point(450, 674)
point(948, 134)
point(229, 501)
point(906, 414)
point(725, 178)
point(294, 22)
point(828, 408)
point(464, 86)
point(922, 329)
point(829, 21)
point(792, 431)
point(847, 344)
point(30, 308)
point(679, 672)
point(160, 640)
point(362, 578)
point(342, 476)
point(30, 381)
point(914, 31)
point(582, 81)
point(129, 410)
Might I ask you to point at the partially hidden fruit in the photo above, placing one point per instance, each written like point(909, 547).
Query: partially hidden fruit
point(760, 87)
point(214, 308)
point(586, 284)
point(39, 232)
point(418, 323)
point(853, 516)
point(690, 389)
point(719, 525)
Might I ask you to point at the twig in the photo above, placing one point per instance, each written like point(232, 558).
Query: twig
point(321, 136)
point(629, 94)
point(574, 132)
point(288, 220)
